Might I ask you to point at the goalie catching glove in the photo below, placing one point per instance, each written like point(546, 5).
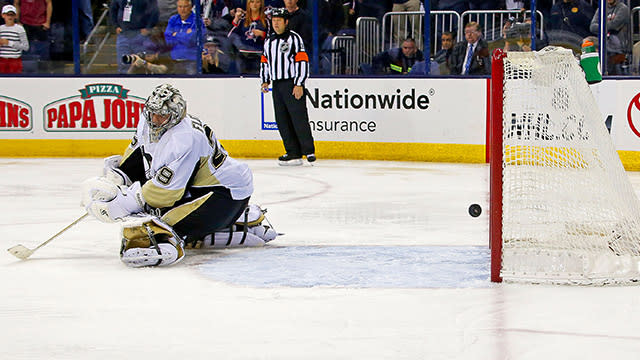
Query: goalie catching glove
point(109, 202)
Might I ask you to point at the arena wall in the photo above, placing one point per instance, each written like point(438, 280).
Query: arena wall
point(435, 119)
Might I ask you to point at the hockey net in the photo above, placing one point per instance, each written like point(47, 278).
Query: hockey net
point(562, 208)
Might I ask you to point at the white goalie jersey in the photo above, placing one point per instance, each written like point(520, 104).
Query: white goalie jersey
point(186, 160)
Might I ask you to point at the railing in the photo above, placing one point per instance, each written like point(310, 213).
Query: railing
point(492, 21)
point(401, 25)
point(634, 25)
point(100, 44)
point(343, 55)
point(367, 40)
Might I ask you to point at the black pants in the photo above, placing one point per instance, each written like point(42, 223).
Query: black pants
point(292, 119)
point(217, 212)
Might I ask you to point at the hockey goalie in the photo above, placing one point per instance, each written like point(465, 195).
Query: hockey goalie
point(175, 187)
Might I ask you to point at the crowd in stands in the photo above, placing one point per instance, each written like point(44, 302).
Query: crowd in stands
point(166, 36)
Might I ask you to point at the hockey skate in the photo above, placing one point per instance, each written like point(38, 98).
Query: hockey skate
point(289, 160)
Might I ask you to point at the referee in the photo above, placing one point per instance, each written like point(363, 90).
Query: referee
point(285, 63)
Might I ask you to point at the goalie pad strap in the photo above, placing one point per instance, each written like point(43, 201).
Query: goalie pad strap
point(230, 236)
point(246, 226)
point(222, 240)
point(149, 232)
point(153, 241)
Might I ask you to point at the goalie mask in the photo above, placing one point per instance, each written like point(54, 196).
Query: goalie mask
point(165, 100)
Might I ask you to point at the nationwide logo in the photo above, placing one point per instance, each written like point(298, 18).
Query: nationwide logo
point(633, 114)
point(15, 115)
point(98, 107)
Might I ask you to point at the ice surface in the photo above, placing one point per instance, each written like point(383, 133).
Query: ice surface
point(380, 261)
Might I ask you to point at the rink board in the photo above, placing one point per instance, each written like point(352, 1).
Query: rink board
point(435, 119)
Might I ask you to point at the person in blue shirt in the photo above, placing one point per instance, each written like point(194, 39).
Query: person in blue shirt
point(181, 36)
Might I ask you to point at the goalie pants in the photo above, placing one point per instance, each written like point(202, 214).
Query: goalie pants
point(216, 210)
point(292, 119)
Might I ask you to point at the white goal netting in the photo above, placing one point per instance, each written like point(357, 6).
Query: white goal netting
point(570, 214)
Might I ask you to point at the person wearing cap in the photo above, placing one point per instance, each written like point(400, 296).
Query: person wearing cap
point(214, 60)
point(13, 41)
point(285, 64)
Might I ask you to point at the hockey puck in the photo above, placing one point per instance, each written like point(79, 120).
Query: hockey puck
point(475, 210)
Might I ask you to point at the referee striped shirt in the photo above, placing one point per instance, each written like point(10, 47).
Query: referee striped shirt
point(17, 41)
point(283, 58)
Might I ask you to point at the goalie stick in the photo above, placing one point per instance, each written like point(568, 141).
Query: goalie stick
point(22, 252)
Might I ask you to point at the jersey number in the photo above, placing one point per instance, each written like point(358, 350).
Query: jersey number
point(218, 156)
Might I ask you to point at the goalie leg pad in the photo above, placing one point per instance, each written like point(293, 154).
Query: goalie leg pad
point(251, 220)
point(148, 241)
point(252, 216)
point(236, 239)
point(264, 232)
point(164, 255)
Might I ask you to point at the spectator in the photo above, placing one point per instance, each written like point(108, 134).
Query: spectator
point(215, 9)
point(35, 17)
point(180, 35)
point(61, 36)
point(487, 4)
point(331, 16)
point(349, 9)
point(151, 60)
point(218, 22)
point(404, 26)
point(13, 41)
point(214, 60)
point(471, 56)
point(569, 23)
point(144, 63)
point(133, 22)
point(517, 35)
point(85, 18)
point(513, 4)
point(300, 22)
point(166, 9)
point(248, 35)
point(398, 61)
point(373, 8)
point(458, 6)
point(420, 66)
point(272, 4)
point(443, 56)
point(617, 44)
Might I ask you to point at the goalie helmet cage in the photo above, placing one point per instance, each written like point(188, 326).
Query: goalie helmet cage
point(562, 210)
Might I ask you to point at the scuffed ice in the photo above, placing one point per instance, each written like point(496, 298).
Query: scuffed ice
point(355, 266)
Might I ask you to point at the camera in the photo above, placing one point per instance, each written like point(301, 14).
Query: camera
point(128, 59)
point(519, 30)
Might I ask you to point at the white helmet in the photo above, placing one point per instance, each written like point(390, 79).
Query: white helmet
point(165, 100)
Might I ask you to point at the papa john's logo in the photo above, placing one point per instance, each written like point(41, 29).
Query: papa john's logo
point(633, 114)
point(98, 107)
